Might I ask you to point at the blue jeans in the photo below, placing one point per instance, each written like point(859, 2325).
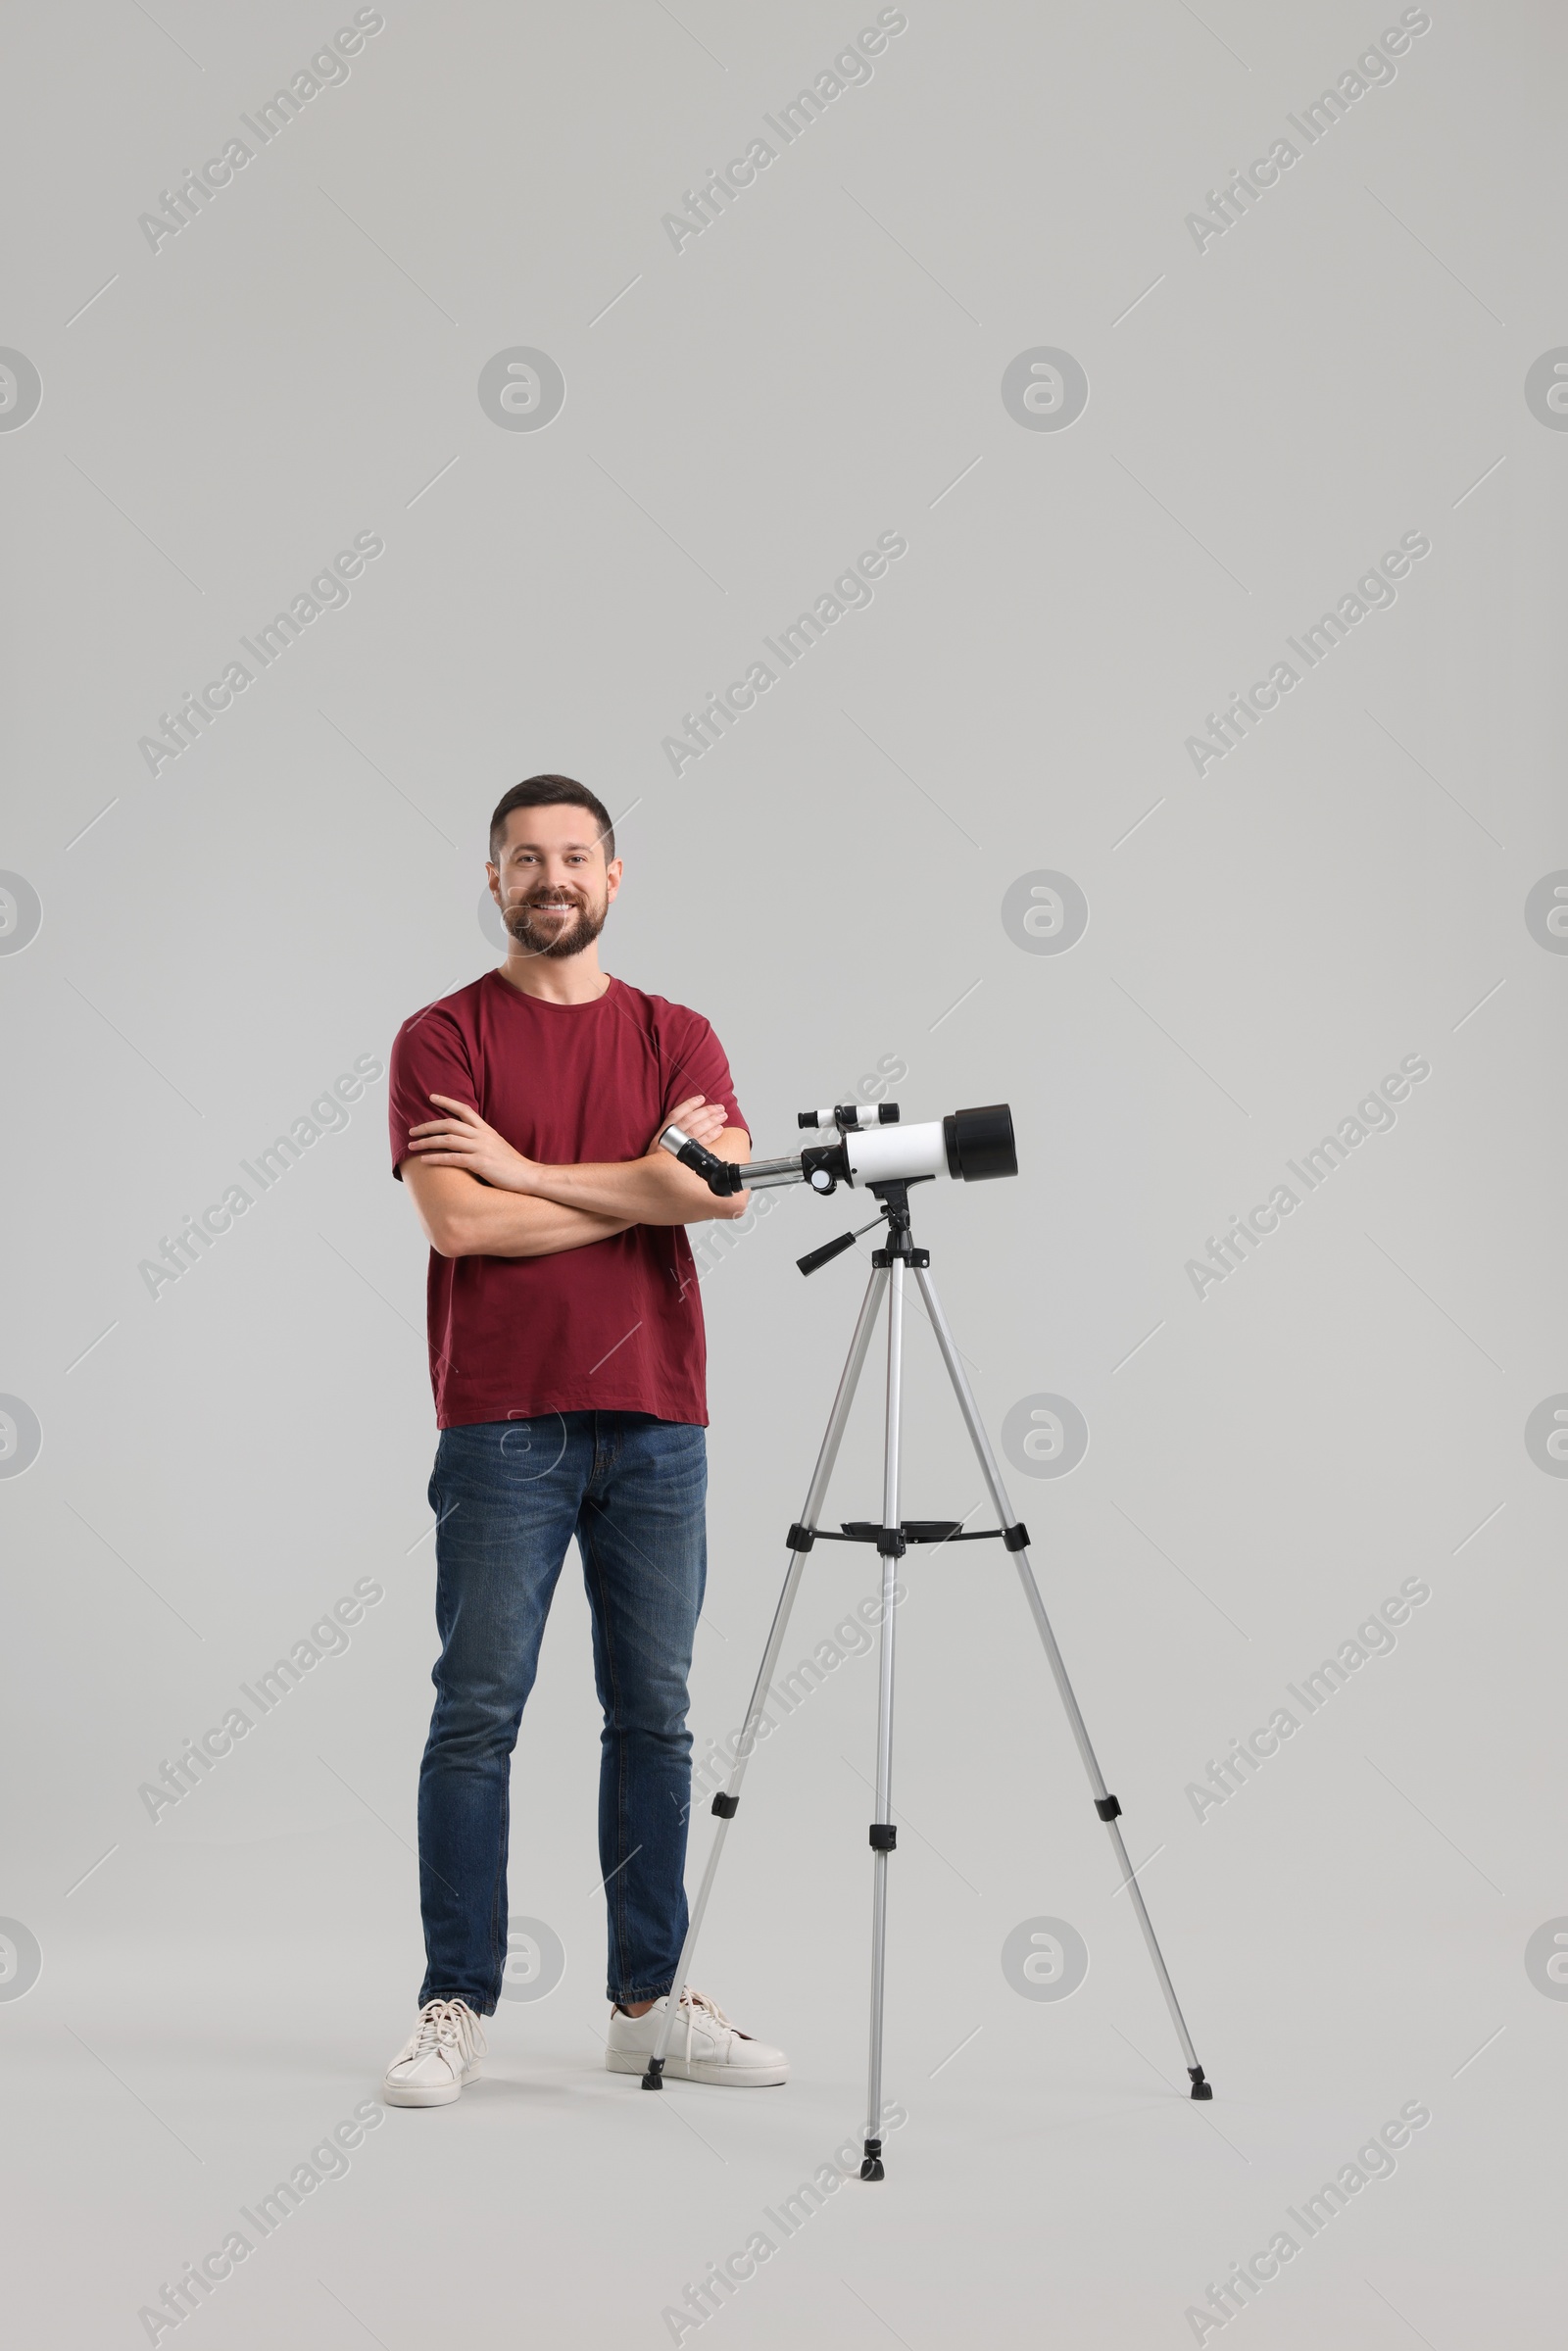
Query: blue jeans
point(509, 1496)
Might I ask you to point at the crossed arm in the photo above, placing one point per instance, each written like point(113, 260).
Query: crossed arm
point(478, 1198)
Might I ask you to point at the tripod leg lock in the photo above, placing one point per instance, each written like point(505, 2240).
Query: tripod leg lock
point(890, 1542)
point(884, 1840)
point(799, 1537)
point(1202, 2088)
point(1108, 1807)
point(1016, 1538)
point(871, 2168)
point(725, 1806)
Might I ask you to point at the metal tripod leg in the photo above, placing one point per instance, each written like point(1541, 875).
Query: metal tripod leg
point(727, 1803)
point(1106, 1805)
point(884, 1836)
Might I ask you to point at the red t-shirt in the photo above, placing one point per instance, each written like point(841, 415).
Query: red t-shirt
point(617, 1324)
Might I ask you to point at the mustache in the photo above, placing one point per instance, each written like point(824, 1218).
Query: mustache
point(518, 909)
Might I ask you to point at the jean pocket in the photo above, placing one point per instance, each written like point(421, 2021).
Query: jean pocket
point(678, 1450)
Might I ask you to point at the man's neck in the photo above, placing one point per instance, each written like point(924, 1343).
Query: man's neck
point(566, 980)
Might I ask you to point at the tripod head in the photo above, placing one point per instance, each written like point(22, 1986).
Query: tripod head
point(874, 1151)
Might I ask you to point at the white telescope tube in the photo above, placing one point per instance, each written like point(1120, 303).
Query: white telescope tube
point(969, 1143)
point(887, 1155)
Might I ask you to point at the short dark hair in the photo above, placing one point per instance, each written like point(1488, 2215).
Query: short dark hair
point(551, 791)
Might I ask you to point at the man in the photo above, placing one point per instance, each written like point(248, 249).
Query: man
point(567, 1359)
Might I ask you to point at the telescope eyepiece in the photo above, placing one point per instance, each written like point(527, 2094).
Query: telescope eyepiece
point(724, 1177)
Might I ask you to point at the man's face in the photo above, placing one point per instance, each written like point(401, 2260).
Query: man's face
point(551, 882)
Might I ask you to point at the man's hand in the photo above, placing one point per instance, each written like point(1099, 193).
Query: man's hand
point(703, 1122)
point(461, 1139)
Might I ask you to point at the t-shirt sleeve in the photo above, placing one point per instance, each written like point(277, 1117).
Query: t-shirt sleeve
point(700, 1067)
point(428, 1056)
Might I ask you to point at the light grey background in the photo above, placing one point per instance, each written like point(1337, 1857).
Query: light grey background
point(1266, 1463)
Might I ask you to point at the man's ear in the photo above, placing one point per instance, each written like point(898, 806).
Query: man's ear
point(612, 874)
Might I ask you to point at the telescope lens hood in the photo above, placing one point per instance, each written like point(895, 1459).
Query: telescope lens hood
point(980, 1142)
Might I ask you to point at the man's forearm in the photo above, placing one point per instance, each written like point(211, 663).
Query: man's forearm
point(514, 1224)
point(653, 1190)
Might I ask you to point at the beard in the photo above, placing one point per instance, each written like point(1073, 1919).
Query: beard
point(569, 939)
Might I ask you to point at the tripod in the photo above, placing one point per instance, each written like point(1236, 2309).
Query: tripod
point(889, 1266)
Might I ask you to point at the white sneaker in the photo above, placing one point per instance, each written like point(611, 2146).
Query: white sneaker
point(703, 2047)
point(440, 2054)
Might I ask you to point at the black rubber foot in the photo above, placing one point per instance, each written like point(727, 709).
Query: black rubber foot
point(653, 2078)
point(871, 2168)
point(1201, 2088)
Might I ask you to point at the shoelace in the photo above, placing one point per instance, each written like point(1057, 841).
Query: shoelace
point(695, 2003)
point(443, 2024)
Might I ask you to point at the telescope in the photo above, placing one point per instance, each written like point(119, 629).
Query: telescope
point(875, 1152)
point(873, 1148)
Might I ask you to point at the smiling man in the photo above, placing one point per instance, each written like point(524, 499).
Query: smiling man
point(567, 1359)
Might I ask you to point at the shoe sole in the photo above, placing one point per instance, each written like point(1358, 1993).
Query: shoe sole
point(398, 2094)
point(722, 2077)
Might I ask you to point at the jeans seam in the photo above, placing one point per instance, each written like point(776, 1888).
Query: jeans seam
point(614, 1897)
point(497, 1895)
